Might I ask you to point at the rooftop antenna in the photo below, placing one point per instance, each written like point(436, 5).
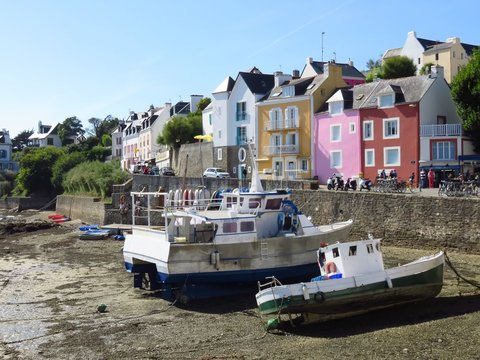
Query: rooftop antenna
point(323, 33)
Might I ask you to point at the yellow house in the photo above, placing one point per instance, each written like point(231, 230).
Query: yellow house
point(452, 55)
point(285, 122)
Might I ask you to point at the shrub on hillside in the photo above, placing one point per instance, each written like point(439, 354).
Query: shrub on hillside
point(94, 178)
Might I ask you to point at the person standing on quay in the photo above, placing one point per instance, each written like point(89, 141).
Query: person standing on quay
point(423, 179)
point(431, 178)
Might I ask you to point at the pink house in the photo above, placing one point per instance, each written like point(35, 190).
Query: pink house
point(336, 138)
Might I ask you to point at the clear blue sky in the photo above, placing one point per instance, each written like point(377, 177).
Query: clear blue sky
point(90, 58)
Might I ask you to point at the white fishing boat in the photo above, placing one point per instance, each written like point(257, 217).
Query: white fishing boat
point(352, 281)
point(203, 251)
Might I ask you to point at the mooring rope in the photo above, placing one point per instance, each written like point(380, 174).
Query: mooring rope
point(459, 276)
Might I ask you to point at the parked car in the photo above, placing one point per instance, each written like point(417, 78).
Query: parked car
point(216, 173)
point(167, 171)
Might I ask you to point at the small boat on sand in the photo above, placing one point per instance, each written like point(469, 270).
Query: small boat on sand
point(352, 281)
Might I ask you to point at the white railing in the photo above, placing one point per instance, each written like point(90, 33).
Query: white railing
point(440, 130)
point(291, 124)
point(280, 149)
point(275, 125)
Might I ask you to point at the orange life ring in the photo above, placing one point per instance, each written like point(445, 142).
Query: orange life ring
point(330, 267)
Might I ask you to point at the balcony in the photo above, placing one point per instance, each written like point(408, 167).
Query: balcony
point(441, 130)
point(280, 150)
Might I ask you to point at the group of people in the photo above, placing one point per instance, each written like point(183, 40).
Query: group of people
point(427, 180)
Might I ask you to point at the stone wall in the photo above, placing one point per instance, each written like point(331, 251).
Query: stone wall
point(24, 203)
point(399, 219)
point(89, 209)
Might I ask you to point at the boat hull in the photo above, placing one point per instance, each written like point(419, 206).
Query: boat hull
point(334, 299)
point(193, 271)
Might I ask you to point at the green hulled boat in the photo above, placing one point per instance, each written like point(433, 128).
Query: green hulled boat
point(352, 281)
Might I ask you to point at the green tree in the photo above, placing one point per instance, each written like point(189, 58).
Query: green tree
point(36, 171)
point(20, 141)
point(70, 127)
point(62, 166)
point(202, 104)
point(372, 64)
point(466, 94)
point(426, 68)
point(101, 127)
point(398, 67)
point(181, 130)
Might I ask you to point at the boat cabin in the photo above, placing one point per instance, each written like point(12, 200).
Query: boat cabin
point(350, 258)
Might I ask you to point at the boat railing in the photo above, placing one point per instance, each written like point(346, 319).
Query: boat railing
point(272, 283)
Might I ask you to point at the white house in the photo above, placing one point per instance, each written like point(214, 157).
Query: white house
point(46, 135)
point(6, 162)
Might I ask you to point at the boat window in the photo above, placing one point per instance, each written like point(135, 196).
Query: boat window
point(241, 201)
point(369, 248)
point(229, 227)
point(253, 203)
point(377, 246)
point(273, 204)
point(335, 252)
point(352, 251)
point(230, 201)
point(246, 226)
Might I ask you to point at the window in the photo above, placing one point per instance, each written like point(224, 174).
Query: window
point(418, 61)
point(453, 54)
point(288, 91)
point(369, 157)
point(352, 129)
point(273, 204)
point(230, 227)
point(443, 150)
point(247, 226)
point(304, 164)
point(241, 111)
point(219, 154)
point(436, 57)
point(352, 251)
point(391, 128)
point(276, 140)
point(3, 154)
point(335, 133)
point(335, 159)
point(386, 101)
point(49, 141)
point(253, 203)
point(391, 156)
point(219, 134)
point(291, 139)
point(275, 119)
point(461, 55)
point(241, 135)
point(291, 116)
point(335, 107)
point(368, 130)
point(209, 119)
point(370, 248)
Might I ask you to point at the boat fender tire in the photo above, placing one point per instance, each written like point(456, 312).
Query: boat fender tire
point(330, 267)
point(319, 297)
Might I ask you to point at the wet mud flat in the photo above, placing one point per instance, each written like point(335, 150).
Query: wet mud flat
point(52, 284)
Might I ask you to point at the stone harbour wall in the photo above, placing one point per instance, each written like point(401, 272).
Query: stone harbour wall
point(399, 219)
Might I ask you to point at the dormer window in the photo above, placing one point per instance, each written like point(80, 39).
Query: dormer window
point(288, 91)
point(335, 107)
point(386, 101)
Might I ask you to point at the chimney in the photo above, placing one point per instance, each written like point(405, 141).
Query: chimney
point(295, 74)
point(194, 100)
point(280, 78)
point(309, 60)
point(436, 72)
point(453, 40)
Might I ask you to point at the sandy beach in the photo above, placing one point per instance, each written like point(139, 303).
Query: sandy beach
point(52, 284)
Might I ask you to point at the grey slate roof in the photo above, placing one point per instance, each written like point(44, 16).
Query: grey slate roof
point(258, 83)
point(300, 85)
point(407, 90)
point(428, 43)
point(347, 69)
point(469, 48)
